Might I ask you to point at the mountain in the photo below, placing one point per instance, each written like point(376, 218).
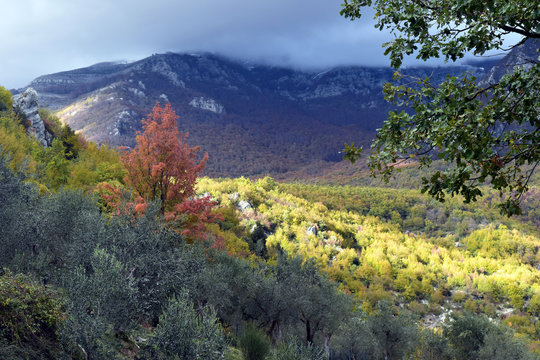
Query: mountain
point(523, 55)
point(251, 119)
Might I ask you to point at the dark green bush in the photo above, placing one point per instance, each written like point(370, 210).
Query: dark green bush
point(292, 349)
point(30, 318)
point(254, 344)
point(182, 333)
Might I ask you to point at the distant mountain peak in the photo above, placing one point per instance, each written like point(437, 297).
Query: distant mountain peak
point(252, 119)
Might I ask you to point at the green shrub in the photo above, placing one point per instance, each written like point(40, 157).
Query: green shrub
point(459, 296)
point(254, 343)
point(184, 334)
point(295, 350)
point(418, 308)
point(233, 354)
point(534, 305)
point(30, 316)
point(433, 346)
point(476, 337)
point(5, 99)
point(489, 309)
point(438, 297)
point(100, 306)
point(471, 305)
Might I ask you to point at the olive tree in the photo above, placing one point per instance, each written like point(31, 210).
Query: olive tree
point(182, 333)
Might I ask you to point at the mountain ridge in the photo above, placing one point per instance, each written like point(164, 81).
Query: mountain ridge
point(251, 119)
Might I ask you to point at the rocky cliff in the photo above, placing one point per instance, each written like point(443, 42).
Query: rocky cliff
point(251, 119)
point(523, 55)
point(26, 106)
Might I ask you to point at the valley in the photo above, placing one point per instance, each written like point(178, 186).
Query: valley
point(253, 120)
point(117, 246)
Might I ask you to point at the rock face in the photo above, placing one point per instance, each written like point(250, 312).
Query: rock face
point(244, 206)
point(312, 230)
point(26, 105)
point(253, 120)
point(207, 104)
point(523, 56)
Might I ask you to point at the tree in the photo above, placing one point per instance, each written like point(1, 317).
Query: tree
point(312, 298)
point(182, 333)
point(100, 304)
point(55, 171)
point(162, 167)
point(394, 334)
point(5, 99)
point(476, 337)
point(385, 334)
point(489, 130)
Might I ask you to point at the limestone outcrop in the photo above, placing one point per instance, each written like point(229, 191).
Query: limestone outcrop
point(26, 106)
point(207, 104)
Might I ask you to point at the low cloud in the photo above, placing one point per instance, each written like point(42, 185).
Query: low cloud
point(46, 36)
point(41, 37)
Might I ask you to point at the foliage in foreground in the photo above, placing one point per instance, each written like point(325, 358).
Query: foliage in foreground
point(182, 333)
point(30, 318)
point(128, 282)
point(488, 129)
point(254, 343)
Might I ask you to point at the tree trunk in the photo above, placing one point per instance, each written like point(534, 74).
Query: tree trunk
point(162, 199)
point(326, 346)
point(271, 331)
point(309, 336)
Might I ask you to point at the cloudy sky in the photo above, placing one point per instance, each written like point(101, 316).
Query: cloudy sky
point(45, 36)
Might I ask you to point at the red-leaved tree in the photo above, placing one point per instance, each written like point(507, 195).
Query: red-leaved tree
point(163, 167)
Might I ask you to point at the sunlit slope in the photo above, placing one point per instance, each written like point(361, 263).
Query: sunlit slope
point(387, 243)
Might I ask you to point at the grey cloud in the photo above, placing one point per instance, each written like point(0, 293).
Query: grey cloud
point(45, 36)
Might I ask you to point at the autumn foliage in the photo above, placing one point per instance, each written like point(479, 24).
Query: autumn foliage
point(118, 201)
point(192, 215)
point(163, 168)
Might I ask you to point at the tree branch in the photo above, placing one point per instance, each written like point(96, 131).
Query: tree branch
point(528, 34)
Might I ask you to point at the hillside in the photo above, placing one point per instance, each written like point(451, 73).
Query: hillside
point(251, 119)
point(109, 255)
point(387, 243)
point(96, 266)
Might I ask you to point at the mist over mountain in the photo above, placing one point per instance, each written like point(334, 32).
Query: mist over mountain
point(251, 119)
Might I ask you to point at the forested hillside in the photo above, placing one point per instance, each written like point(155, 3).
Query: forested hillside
point(100, 260)
point(252, 119)
point(398, 245)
